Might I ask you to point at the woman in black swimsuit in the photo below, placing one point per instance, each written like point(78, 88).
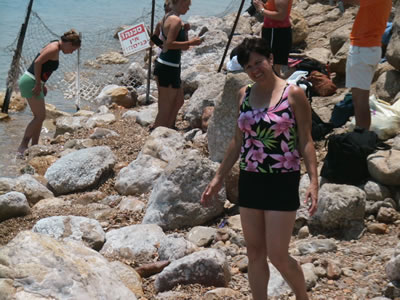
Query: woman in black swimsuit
point(32, 83)
point(167, 68)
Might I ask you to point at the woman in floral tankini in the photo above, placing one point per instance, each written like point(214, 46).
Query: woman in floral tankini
point(273, 131)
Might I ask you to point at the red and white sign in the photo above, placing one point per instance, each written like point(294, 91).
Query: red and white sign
point(134, 39)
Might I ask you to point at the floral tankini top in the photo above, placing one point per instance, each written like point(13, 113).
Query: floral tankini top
point(269, 137)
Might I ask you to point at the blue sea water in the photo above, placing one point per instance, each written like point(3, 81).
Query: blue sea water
point(87, 16)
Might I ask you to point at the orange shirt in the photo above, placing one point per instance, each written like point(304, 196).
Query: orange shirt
point(268, 23)
point(370, 23)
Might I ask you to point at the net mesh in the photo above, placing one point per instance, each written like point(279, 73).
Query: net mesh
point(100, 58)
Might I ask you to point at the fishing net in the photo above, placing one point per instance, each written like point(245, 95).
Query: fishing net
point(100, 60)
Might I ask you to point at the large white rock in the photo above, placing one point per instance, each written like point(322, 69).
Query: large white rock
point(69, 124)
point(85, 230)
point(222, 124)
point(13, 204)
point(393, 266)
point(138, 242)
point(341, 208)
point(175, 199)
point(208, 267)
point(80, 170)
point(41, 265)
point(209, 87)
point(32, 189)
point(162, 146)
point(384, 167)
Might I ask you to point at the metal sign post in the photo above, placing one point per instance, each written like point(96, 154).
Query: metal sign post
point(13, 72)
point(231, 35)
point(77, 79)
point(150, 52)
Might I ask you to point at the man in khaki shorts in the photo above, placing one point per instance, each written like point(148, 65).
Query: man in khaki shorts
point(365, 53)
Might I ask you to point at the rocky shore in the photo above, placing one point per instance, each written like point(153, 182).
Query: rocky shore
point(106, 209)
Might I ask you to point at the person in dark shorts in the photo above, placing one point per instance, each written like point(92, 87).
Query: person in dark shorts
point(167, 69)
point(32, 83)
point(273, 130)
point(277, 30)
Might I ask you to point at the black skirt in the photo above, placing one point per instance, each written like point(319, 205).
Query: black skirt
point(269, 191)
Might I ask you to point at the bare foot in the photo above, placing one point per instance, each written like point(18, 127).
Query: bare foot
point(20, 152)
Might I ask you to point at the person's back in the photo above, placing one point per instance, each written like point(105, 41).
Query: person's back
point(370, 23)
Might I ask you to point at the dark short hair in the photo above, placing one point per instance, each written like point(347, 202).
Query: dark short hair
point(250, 45)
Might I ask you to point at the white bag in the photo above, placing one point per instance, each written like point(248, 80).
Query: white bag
point(385, 118)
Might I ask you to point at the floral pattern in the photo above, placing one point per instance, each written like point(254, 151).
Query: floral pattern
point(269, 137)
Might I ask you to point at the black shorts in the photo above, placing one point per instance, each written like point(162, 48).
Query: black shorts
point(269, 191)
point(167, 75)
point(280, 41)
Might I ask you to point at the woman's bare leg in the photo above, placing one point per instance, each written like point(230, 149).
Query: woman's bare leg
point(179, 100)
point(166, 99)
point(32, 131)
point(279, 227)
point(254, 235)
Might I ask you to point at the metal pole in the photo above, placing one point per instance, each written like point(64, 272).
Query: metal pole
point(13, 72)
point(153, 6)
point(231, 35)
point(77, 80)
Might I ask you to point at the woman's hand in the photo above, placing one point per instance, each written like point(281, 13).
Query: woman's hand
point(195, 41)
point(210, 192)
point(258, 4)
point(312, 196)
point(37, 89)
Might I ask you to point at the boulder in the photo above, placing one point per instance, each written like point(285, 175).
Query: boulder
point(85, 230)
point(13, 204)
point(175, 198)
point(384, 167)
point(393, 266)
point(162, 146)
point(222, 124)
point(80, 170)
point(32, 189)
point(341, 209)
point(207, 92)
point(339, 37)
point(337, 63)
point(208, 267)
point(393, 49)
point(135, 242)
point(388, 86)
point(69, 124)
point(58, 270)
point(299, 27)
